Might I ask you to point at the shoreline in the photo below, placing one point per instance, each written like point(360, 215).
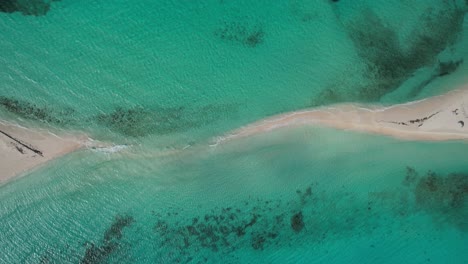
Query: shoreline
point(438, 118)
point(23, 149)
point(442, 117)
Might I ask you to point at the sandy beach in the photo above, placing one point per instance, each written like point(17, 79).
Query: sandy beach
point(443, 117)
point(22, 149)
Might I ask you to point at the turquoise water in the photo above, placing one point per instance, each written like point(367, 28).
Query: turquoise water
point(161, 75)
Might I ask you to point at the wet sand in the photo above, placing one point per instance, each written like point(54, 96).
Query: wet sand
point(443, 117)
point(22, 149)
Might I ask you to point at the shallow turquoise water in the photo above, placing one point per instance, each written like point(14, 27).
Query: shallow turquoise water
point(363, 205)
point(194, 70)
point(160, 75)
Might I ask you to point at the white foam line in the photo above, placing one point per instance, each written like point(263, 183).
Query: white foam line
point(110, 149)
point(366, 109)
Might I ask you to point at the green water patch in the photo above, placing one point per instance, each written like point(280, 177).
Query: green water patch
point(27, 7)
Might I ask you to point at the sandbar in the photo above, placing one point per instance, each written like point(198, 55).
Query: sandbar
point(443, 117)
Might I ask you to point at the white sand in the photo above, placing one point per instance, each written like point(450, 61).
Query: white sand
point(443, 117)
point(16, 158)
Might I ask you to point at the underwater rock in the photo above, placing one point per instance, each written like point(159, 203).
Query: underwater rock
point(297, 222)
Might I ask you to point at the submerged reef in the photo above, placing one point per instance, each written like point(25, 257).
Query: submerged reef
point(26, 7)
point(391, 63)
point(222, 230)
point(312, 217)
point(110, 243)
point(254, 224)
point(257, 223)
point(443, 197)
point(139, 121)
point(388, 61)
point(133, 122)
point(31, 111)
point(315, 216)
point(128, 121)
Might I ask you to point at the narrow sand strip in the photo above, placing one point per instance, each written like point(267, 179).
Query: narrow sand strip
point(443, 117)
point(22, 149)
